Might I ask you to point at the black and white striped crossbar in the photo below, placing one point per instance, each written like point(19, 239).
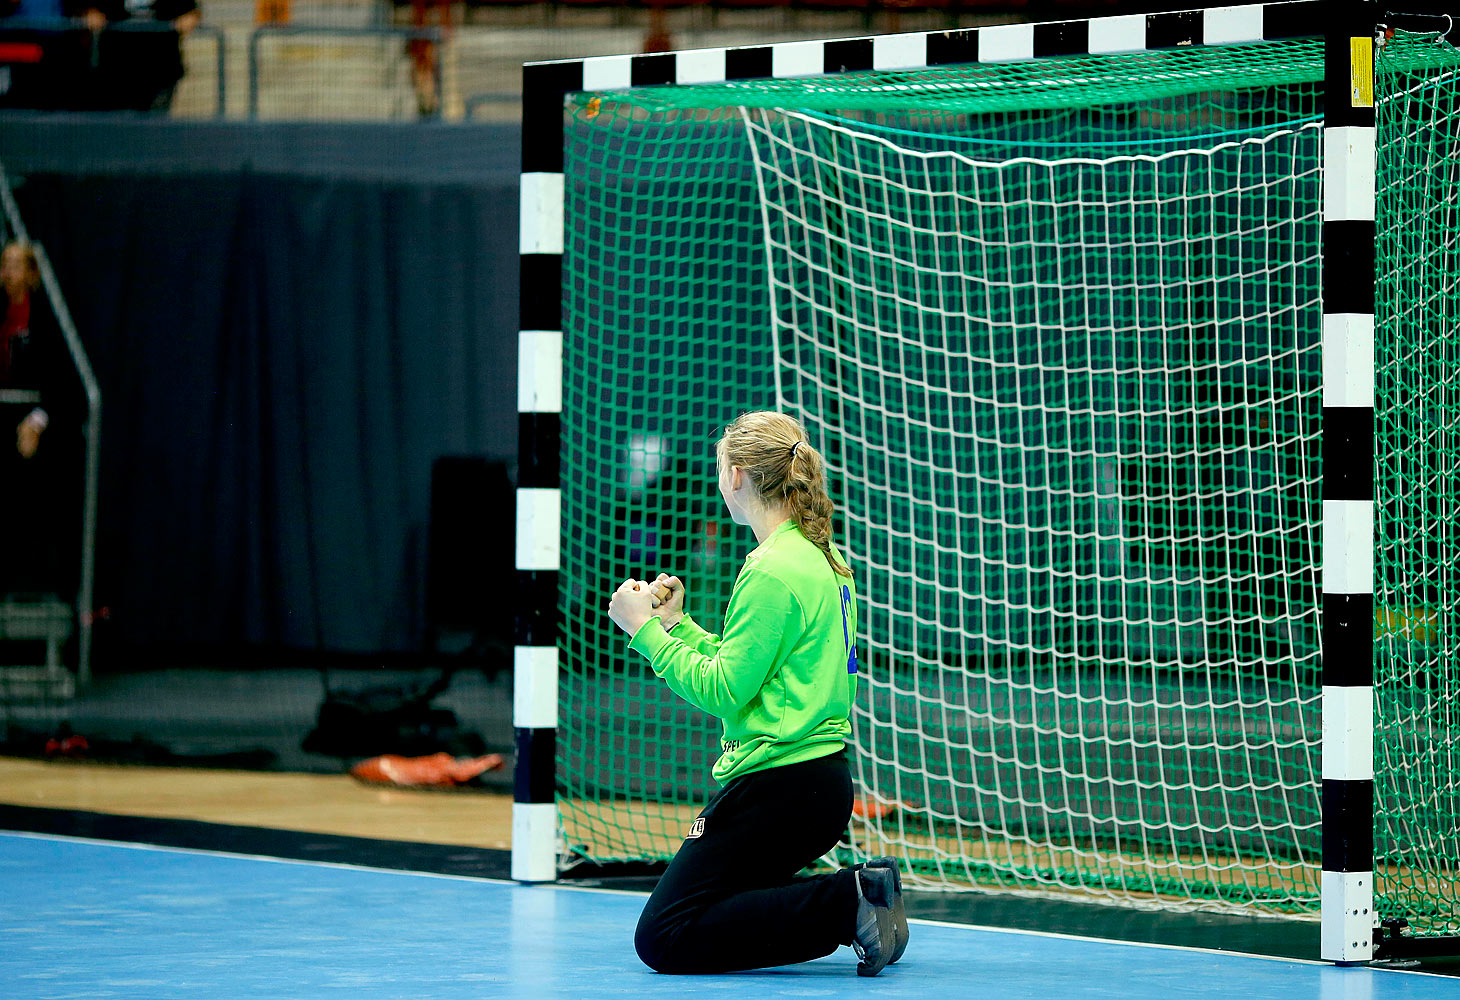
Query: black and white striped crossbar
point(545, 83)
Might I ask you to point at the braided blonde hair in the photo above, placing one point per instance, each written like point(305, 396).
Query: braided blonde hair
point(774, 451)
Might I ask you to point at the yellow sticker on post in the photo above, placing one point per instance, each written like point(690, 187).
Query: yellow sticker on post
point(1361, 72)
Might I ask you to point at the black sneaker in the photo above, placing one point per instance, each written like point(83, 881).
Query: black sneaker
point(874, 938)
point(899, 911)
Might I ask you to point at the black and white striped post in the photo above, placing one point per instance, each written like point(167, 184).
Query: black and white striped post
point(539, 496)
point(1348, 484)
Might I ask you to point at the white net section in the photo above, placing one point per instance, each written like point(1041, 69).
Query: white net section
point(1072, 407)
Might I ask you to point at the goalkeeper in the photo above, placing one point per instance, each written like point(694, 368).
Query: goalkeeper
point(782, 678)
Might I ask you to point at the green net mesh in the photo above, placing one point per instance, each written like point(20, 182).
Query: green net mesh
point(1417, 433)
point(665, 290)
point(1055, 326)
point(1126, 83)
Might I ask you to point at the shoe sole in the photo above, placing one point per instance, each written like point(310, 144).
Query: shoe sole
point(874, 890)
point(899, 910)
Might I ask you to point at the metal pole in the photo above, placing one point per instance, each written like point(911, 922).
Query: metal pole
point(539, 493)
point(437, 40)
point(222, 63)
point(84, 596)
point(1347, 886)
point(253, 71)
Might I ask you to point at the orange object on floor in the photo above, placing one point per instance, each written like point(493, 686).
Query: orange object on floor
point(439, 770)
point(864, 808)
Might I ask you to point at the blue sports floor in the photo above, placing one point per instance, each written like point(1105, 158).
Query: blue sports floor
point(91, 919)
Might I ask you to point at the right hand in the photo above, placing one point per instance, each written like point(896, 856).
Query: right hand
point(669, 592)
point(631, 606)
point(27, 438)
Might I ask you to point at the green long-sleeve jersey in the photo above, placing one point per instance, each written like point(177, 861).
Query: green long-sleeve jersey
point(783, 674)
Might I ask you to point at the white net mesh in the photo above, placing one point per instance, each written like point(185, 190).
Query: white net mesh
point(1072, 404)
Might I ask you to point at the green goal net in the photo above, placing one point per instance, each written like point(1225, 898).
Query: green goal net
point(1417, 448)
point(1056, 327)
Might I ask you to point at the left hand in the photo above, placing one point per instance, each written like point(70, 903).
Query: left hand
point(668, 593)
point(631, 605)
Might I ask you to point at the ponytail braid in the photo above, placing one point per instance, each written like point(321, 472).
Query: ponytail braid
point(773, 449)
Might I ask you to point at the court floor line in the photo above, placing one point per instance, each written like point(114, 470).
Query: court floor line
point(568, 887)
point(82, 919)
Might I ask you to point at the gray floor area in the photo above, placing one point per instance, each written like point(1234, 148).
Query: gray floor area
point(206, 711)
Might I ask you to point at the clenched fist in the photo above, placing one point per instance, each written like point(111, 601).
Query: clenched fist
point(631, 605)
point(669, 592)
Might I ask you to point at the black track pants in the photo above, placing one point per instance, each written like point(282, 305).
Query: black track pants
point(731, 899)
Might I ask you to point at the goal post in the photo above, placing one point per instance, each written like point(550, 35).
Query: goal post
point(1347, 555)
point(1082, 315)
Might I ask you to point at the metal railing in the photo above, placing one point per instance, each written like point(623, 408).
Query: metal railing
point(63, 25)
point(427, 34)
point(220, 63)
point(84, 597)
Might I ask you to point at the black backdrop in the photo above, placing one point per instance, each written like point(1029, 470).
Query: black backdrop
point(287, 334)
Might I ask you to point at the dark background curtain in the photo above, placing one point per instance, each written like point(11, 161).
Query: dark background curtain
point(283, 351)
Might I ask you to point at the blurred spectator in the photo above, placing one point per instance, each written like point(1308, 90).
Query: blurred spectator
point(49, 59)
point(142, 67)
point(34, 368)
point(271, 12)
point(426, 54)
point(25, 315)
point(91, 68)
